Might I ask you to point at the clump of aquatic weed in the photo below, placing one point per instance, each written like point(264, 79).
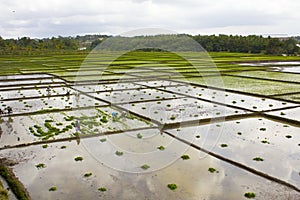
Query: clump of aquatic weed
point(172, 186)
point(145, 166)
point(88, 174)
point(258, 159)
point(119, 153)
point(78, 158)
point(224, 145)
point(40, 165)
point(161, 148)
point(212, 170)
point(185, 157)
point(102, 189)
point(104, 119)
point(172, 118)
point(249, 195)
point(53, 188)
point(139, 136)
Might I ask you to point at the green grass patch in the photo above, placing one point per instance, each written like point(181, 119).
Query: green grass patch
point(13, 183)
point(3, 193)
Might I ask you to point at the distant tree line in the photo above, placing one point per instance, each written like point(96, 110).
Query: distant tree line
point(248, 44)
point(213, 43)
point(27, 45)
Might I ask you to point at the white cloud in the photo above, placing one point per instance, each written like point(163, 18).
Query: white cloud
point(43, 18)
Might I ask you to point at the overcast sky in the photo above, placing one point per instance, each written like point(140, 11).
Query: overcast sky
point(47, 18)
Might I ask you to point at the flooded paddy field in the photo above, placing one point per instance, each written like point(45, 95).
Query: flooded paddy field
point(134, 130)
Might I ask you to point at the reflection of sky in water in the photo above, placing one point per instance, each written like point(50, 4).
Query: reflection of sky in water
point(271, 63)
point(281, 156)
point(192, 177)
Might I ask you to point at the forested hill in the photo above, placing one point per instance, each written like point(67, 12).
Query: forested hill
point(212, 43)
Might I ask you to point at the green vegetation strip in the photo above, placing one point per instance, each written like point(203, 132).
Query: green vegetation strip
point(3, 193)
point(15, 185)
